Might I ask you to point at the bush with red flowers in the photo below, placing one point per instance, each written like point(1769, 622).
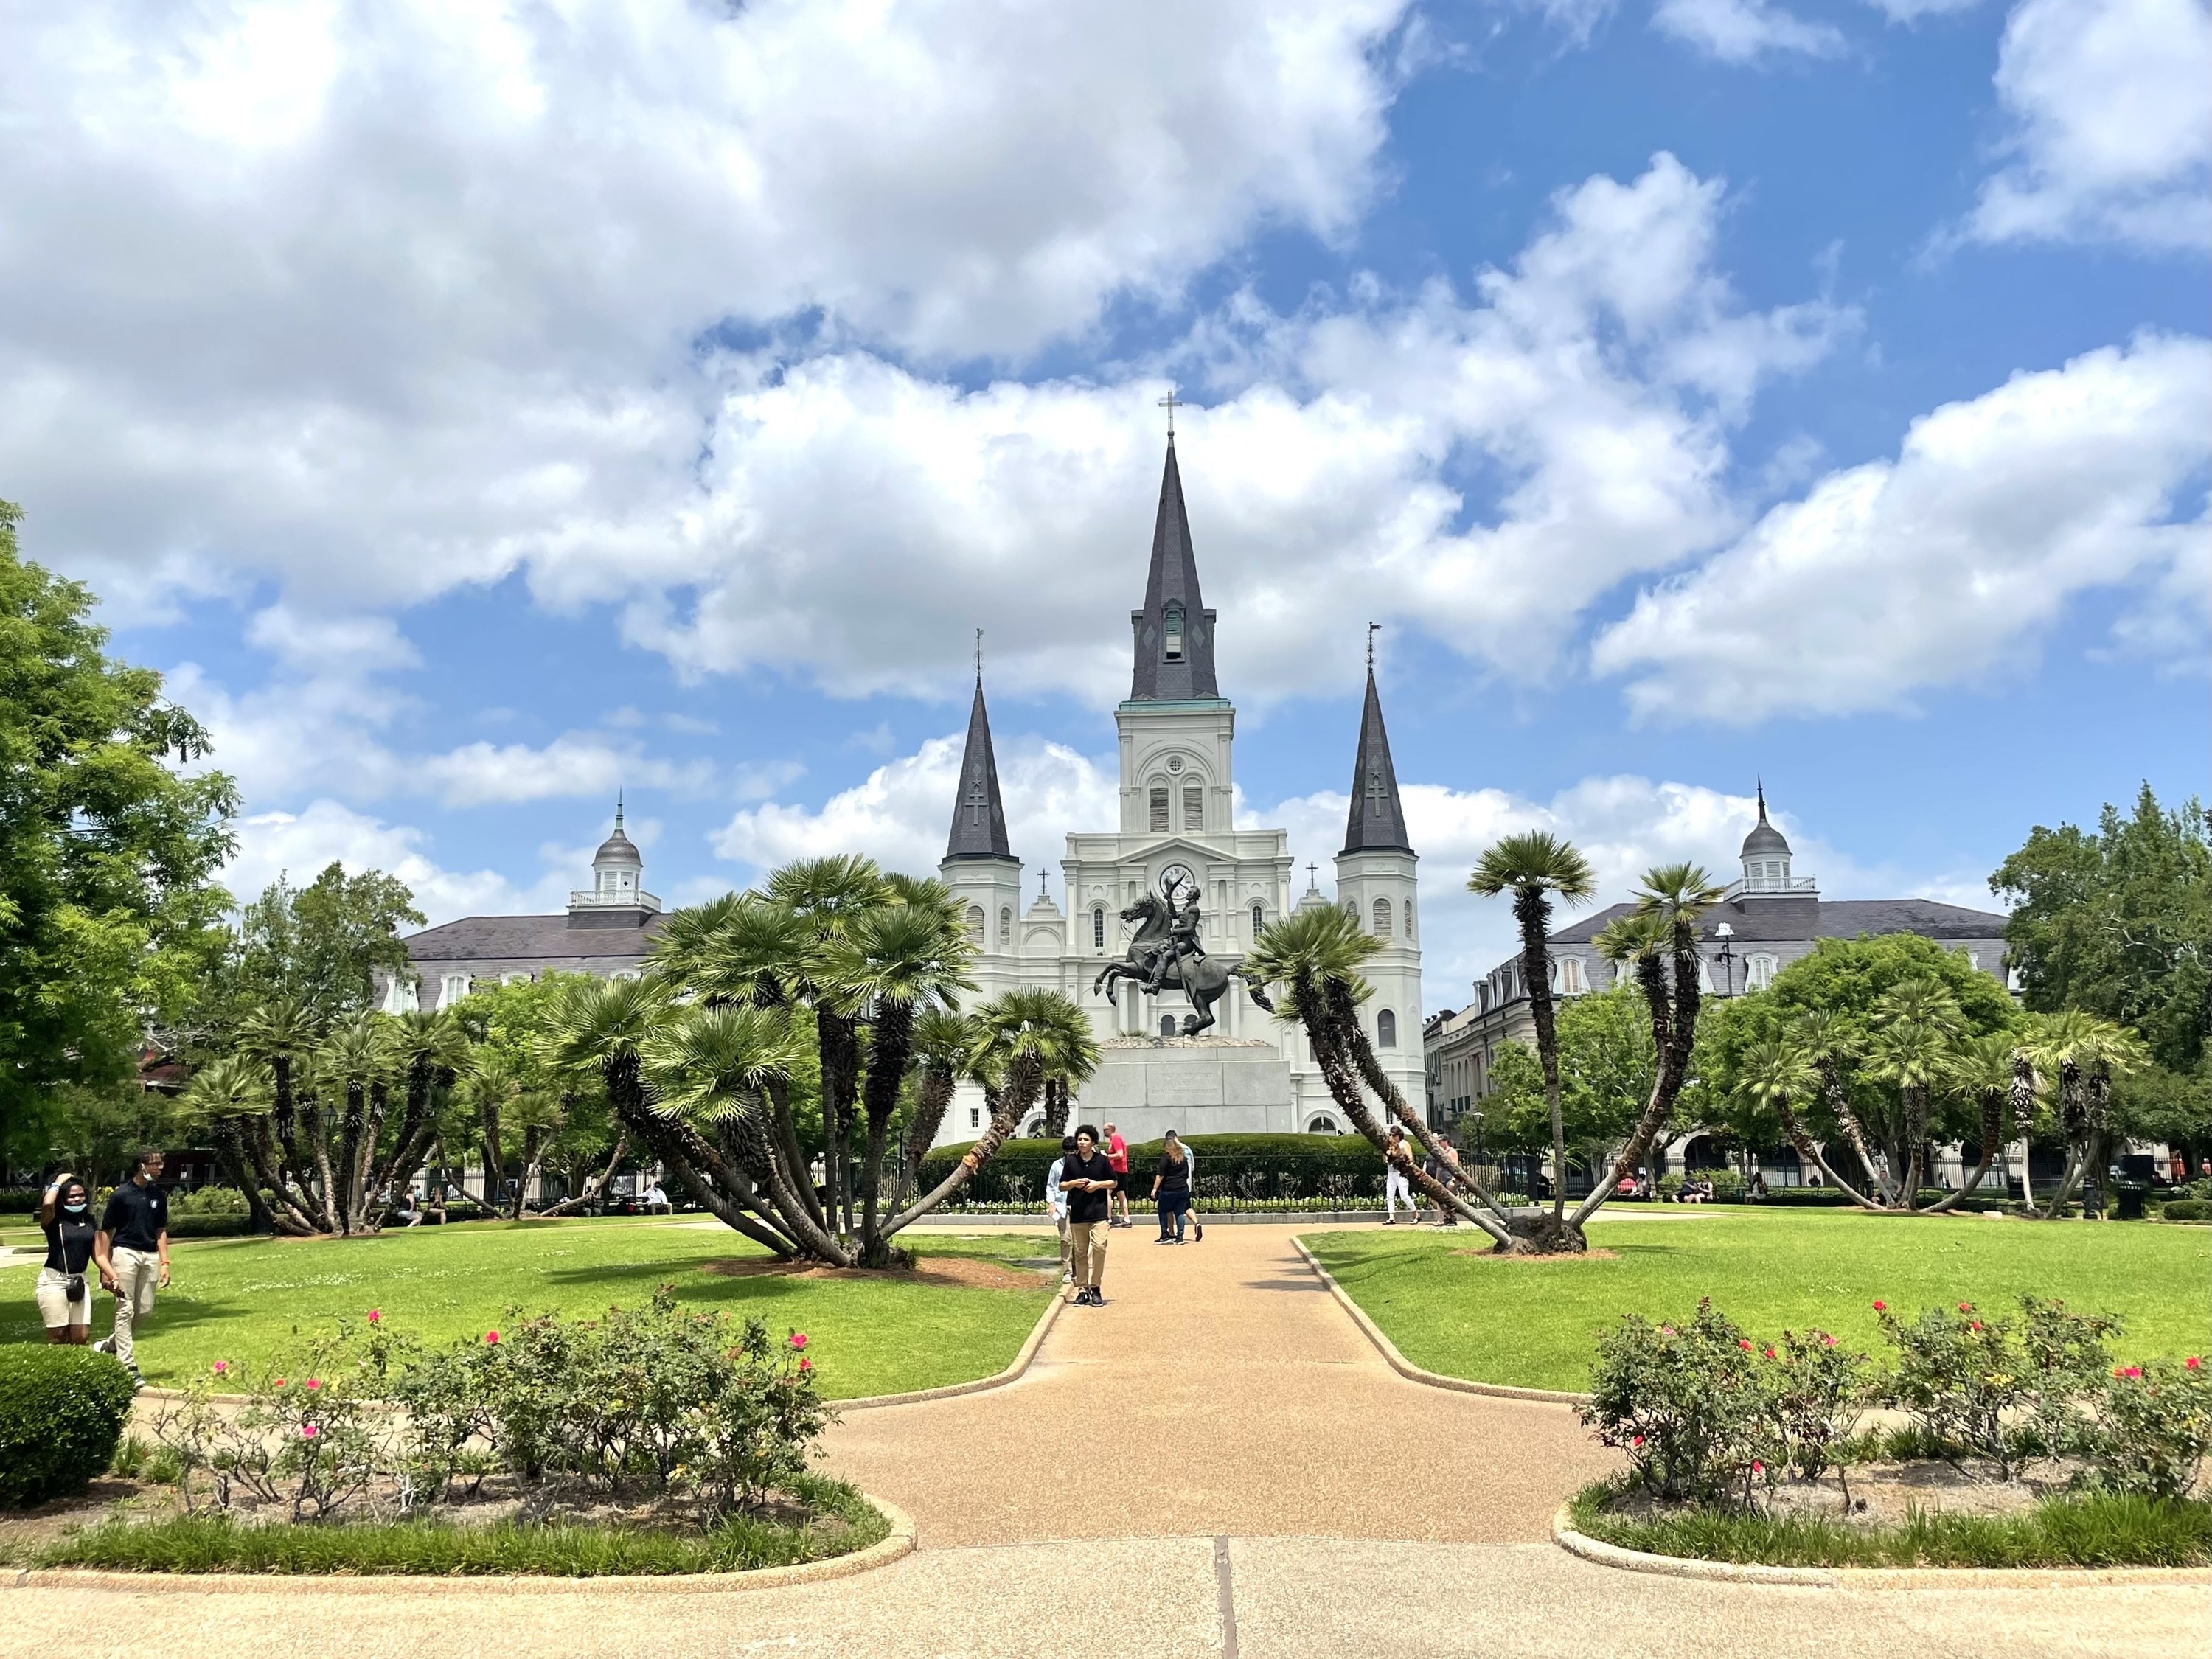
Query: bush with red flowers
point(2000, 1389)
point(2151, 1431)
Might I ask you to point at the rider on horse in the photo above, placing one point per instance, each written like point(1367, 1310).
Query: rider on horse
point(1181, 943)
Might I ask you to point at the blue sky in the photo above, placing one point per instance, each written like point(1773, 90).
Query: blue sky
point(475, 410)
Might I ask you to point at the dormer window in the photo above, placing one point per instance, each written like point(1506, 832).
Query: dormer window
point(1171, 643)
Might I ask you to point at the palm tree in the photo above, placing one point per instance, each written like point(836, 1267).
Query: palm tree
point(1984, 1069)
point(708, 1069)
point(431, 1049)
point(1918, 1029)
point(943, 1042)
point(1532, 866)
point(1777, 1074)
point(233, 1096)
point(1071, 1060)
point(896, 960)
point(281, 1033)
point(489, 1090)
point(2084, 1053)
point(1831, 1044)
point(1315, 956)
point(357, 1058)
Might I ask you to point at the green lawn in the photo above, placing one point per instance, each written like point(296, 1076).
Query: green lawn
point(239, 1298)
point(1535, 1324)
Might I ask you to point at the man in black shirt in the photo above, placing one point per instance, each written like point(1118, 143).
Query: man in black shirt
point(1088, 1181)
point(132, 1252)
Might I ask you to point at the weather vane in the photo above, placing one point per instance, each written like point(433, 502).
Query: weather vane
point(979, 656)
point(1371, 626)
point(1171, 403)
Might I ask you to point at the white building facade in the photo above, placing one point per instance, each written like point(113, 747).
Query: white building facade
point(1177, 736)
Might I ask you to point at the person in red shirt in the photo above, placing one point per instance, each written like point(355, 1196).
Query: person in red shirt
point(1117, 1159)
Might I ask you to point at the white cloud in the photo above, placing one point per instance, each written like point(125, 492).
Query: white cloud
point(1948, 565)
point(1744, 31)
point(2110, 101)
point(572, 764)
point(1596, 379)
point(379, 299)
point(301, 843)
point(1910, 11)
point(899, 815)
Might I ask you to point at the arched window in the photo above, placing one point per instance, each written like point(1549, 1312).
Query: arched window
point(1571, 978)
point(1381, 918)
point(1323, 1126)
point(1259, 919)
point(975, 923)
point(1097, 927)
point(1409, 918)
point(1386, 1030)
point(1171, 646)
point(1167, 1025)
point(1158, 809)
point(1005, 925)
point(1758, 971)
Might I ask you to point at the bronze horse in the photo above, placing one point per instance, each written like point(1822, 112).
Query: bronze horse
point(1201, 978)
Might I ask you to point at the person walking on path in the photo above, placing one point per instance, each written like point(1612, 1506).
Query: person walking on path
point(132, 1251)
point(1088, 1181)
point(65, 1298)
point(1171, 1189)
point(1117, 1159)
point(1395, 1184)
point(1055, 1202)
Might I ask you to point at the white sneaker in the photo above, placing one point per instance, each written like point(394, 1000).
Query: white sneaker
point(105, 1345)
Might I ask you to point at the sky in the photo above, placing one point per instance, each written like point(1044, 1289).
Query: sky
point(477, 409)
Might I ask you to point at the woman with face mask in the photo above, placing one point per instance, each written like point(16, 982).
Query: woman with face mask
point(64, 1297)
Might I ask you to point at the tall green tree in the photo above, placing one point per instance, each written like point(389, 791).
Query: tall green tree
point(323, 944)
point(110, 919)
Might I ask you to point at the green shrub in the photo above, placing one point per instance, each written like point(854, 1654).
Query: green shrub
point(2188, 1209)
point(210, 1226)
point(1820, 1198)
point(207, 1200)
point(1728, 1185)
point(1669, 1185)
point(1997, 1388)
point(1256, 1166)
point(1685, 1403)
point(2152, 1429)
point(62, 1411)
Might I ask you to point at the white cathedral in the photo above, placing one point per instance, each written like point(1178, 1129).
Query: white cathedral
point(1250, 1072)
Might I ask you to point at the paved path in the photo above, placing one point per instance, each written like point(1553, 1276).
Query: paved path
point(1228, 1394)
point(1276, 1492)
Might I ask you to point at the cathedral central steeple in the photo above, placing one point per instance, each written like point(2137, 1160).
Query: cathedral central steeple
point(979, 817)
point(1174, 630)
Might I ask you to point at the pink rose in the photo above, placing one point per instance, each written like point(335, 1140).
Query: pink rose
point(1758, 1469)
point(806, 1364)
point(1637, 1441)
point(1881, 1306)
point(2132, 1370)
point(1965, 1307)
point(1770, 1353)
point(220, 1366)
point(798, 1339)
point(375, 1315)
point(1826, 1338)
point(491, 1339)
point(1977, 1324)
point(1743, 1343)
point(309, 1430)
point(2192, 1362)
point(314, 1382)
point(278, 1383)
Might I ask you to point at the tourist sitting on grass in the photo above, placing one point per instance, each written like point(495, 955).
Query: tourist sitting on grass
point(63, 1295)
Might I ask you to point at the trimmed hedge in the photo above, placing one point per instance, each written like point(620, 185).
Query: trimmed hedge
point(210, 1226)
point(2187, 1209)
point(1305, 1160)
point(62, 1411)
point(1805, 1197)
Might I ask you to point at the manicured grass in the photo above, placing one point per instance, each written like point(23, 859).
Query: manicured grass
point(845, 1521)
point(2060, 1532)
point(1535, 1324)
point(241, 1298)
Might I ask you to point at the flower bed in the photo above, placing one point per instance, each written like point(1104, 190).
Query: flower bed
point(2022, 1444)
point(653, 1439)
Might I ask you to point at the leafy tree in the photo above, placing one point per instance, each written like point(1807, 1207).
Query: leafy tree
point(1607, 1065)
point(2118, 923)
point(322, 944)
point(109, 916)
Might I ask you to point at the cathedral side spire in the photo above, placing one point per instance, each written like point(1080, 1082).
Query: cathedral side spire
point(1378, 820)
point(1173, 631)
point(979, 817)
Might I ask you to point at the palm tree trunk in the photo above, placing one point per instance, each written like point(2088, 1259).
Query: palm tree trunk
point(315, 1121)
point(1534, 914)
point(931, 1102)
point(598, 1184)
point(1839, 1107)
point(1992, 1130)
point(532, 1139)
point(887, 1062)
point(1024, 1076)
point(1666, 1087)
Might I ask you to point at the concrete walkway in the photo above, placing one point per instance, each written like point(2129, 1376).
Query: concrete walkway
point(1215, 1463)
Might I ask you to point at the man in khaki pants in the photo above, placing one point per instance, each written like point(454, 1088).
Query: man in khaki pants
point(1087, 1183)
point(131, 1250)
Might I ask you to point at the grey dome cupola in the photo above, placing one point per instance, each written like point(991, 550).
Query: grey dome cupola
point(1766, 855)
point(616, 896)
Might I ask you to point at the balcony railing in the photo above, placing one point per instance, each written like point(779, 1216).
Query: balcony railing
point(637, 901)
point(1743, 884)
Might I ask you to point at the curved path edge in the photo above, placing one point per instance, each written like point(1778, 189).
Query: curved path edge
point(1013, 1373)
point(1601, 1553)
point(900, 1542)
point(1413, 1373)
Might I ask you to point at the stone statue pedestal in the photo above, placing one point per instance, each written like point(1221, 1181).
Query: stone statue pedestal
point(1197, 1085)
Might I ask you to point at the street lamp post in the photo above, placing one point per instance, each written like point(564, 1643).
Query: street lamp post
point(1724, 934)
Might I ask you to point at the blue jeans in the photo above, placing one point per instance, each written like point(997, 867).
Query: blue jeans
point(1175, 1204)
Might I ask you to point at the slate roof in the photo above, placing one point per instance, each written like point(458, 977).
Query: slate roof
point(526, 939)
point(1173, 581)
point(1376, 822)
point(979, 817)
point(1783, 920)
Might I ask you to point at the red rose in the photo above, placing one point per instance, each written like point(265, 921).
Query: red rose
point(1880, 1307)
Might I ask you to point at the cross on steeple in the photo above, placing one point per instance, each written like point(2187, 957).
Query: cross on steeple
point(1171, 403)
point(1371, 626)
point(978, 799)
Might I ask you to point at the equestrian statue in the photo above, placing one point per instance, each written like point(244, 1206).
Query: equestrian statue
point(1165, 954)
